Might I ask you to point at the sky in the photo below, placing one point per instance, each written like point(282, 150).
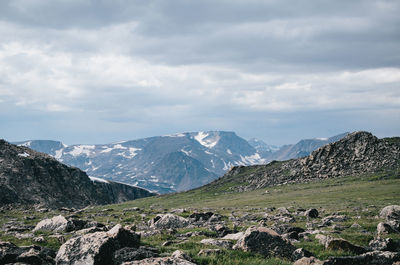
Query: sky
point(109, 70)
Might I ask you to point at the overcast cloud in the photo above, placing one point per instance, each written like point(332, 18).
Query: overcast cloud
point(103, 71)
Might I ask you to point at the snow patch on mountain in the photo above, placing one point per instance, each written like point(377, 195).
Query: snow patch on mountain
point(205, 140)
point(82, 150)
point(25, 154)
point(94, 179)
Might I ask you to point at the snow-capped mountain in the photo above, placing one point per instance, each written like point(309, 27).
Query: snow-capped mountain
point(163, 164)
point(175, 162)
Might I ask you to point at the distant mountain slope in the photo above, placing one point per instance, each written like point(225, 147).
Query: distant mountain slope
point(29, 177)
point(357, 153)
point(302, 148)
point(153, 162)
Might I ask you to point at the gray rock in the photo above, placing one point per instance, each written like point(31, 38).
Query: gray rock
point(55, 224)
point(266, 242)
point(170, 221)
point(308, 261)
point(131, 254)
point(311, 213)
point(384, 244)
point(301, 253)
point(236, 236)
point(384, 228)
point(370, 258)
point(344, 245)
point(10, 253)
point(208, 252)
point(96, 248)
point(391, 212)
point(219, 243)
point(177, 258)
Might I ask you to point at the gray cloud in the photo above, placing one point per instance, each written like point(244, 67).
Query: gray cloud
point(84, 71)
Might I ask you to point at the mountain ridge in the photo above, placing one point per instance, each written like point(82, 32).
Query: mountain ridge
point(357, 153)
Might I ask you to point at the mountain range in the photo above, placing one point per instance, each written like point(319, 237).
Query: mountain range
point(175, 162)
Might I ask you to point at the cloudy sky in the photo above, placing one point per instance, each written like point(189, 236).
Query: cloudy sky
point(107, 70)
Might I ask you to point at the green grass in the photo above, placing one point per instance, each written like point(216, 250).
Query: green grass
point(360, 198)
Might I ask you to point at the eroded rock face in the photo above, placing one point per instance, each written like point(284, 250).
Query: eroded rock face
point(266, 242)
point(170, 221)
point(96, 248)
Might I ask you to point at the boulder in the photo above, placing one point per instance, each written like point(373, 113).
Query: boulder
point(370, 258)
point(384, 228)
point(391, 213)
point(96, 248)
point(308, 261)
point(344, 245)
point(265, 241)
point(301, 253)
point(384, 244)
point(56, 224)
point(219, 243)
point(196, 217)
point(10, 253)
point(130, 254)
point(170, 221)
point(208, 252)
point(311, 213)
point(177, 258)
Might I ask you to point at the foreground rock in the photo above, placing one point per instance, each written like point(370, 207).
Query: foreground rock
point(266, 242)
point(96, 248)
point(10, 254)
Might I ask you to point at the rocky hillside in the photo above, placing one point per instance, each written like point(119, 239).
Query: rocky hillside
point(29, 177)
point(357, 153)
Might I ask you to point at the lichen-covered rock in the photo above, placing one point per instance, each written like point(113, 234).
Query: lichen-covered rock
point(96, 248)
point(265, 241)
point(301, 253)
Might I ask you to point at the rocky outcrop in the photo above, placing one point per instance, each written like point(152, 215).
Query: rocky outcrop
point(358, 153)
point(29, 177)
